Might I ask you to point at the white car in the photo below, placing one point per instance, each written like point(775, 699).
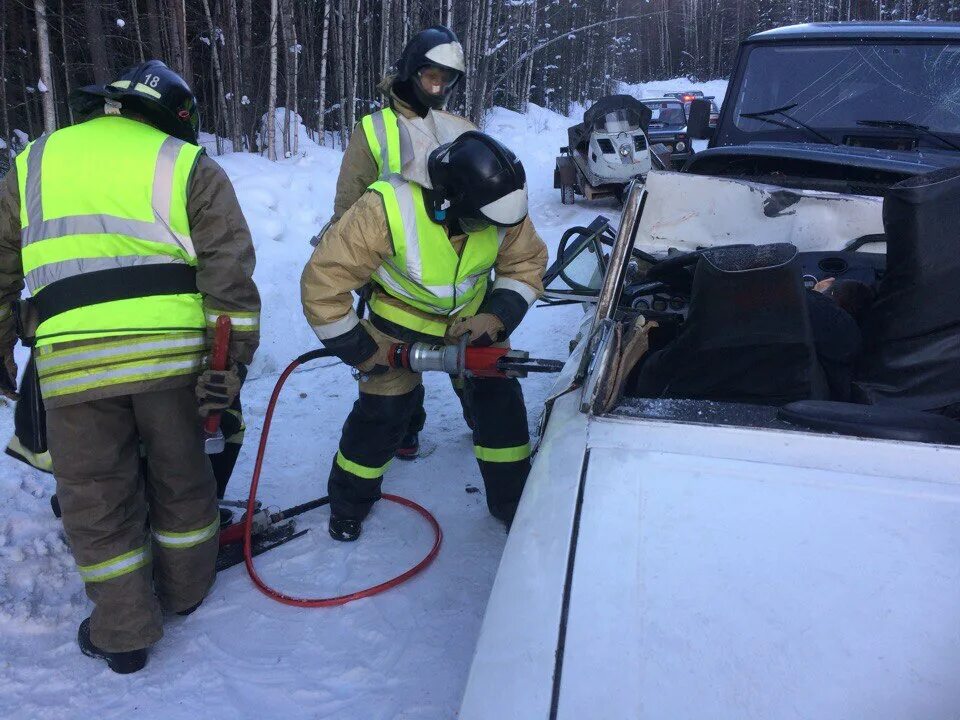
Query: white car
point(681, 557)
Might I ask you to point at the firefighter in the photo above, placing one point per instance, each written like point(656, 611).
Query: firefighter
point(429, 253)
point(400, 137)
point(132, 243)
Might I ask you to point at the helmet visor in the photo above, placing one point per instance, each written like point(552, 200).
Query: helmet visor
point(437, 81)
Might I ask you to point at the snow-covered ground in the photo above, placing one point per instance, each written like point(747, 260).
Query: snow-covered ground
point(403, 654)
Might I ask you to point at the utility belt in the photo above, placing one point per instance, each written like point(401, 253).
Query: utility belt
point(97, 287)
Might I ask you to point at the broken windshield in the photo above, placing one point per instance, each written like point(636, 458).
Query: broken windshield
point(831, 87)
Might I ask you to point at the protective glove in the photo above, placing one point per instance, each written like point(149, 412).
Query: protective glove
point(8, 375)
point(485, 329)
point(217, 389)
point(376, 364)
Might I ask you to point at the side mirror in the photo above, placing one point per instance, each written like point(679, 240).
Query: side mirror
point(698, 124)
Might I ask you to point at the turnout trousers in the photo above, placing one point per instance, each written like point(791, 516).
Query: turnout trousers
point(382, 413)
point(143, 542)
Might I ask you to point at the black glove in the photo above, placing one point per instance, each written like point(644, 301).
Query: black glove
point(217, 389)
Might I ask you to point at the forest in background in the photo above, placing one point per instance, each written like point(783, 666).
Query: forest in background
point(322, 60)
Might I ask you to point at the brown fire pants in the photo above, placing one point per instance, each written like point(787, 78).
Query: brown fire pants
point(140, 543)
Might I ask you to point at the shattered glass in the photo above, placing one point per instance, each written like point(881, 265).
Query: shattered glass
point(831, 87)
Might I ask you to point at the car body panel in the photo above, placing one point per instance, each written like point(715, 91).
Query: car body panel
point(727, 572)
point(729, 211)
point(517, 646)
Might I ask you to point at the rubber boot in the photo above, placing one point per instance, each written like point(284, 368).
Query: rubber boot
point(123, 663)
point(344, 529)
point(409, 447)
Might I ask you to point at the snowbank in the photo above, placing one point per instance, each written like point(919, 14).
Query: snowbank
point(656, 88)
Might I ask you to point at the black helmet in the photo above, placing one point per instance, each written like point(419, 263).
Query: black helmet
point(436, 47)
point(153, 91)
point(479, 181)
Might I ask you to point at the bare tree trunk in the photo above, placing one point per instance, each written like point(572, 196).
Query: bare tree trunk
point(338, 21)
point(354, 66)
point(7, 138)
point(66, 64)
point(218, 87)
point(181, 11)
point(98, 54)
point(45, 85)
point(233, 52)
point(174, 41)
point(322, 94)
point(153, 29)
point(246, 63)
point(272, 95)
point(136, 26)
point(290, 74)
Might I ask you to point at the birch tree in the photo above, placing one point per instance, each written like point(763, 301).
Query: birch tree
point(271, 117)
point(45, 84)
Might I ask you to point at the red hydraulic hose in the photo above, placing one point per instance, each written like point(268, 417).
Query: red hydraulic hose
point(252, 500)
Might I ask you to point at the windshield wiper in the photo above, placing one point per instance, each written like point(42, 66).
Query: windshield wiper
point(904, 125)
point(764, 115)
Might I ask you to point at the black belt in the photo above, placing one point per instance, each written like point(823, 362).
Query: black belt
point(103, 286)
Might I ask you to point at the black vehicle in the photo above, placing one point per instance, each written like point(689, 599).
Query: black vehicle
point(848, 107)
point(668, 127)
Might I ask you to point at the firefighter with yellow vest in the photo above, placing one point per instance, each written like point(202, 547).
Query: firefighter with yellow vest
point(131, 243)
point(399, 138)
point(429, 251)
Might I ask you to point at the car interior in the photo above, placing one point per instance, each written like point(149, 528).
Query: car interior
point(759, 334)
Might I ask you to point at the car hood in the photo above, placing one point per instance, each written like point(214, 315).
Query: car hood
point(906, 163)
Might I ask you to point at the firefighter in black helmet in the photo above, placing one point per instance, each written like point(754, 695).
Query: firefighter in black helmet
point(160, 97)
point(429, 252)
point(132, 243)
point(399, 138)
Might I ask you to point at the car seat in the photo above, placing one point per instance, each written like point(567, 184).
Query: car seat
point(747, 337)
point(912, 332)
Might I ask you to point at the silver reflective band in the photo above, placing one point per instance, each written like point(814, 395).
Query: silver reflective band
point(159, 230)
point(380, 130)
point(120, 375)
point(337, 328)
point(102, 225)
point(408, 213)
point(184, 540)
point(120, 565)
point(242, 321)
point(49, 363)
point(520, 288)
point(51, 272)
point(32, 185)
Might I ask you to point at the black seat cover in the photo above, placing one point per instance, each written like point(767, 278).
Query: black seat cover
point(747, 337)
point(887, 423)
point(912, 332)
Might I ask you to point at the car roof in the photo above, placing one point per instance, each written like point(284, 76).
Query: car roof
point(900, 30)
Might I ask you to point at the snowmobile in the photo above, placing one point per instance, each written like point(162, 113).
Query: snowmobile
point(606, 151)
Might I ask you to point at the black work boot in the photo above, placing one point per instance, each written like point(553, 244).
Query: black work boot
point(344, 529)
point(120, 662)
point(189, 610)
point(226, 517)
point(409, 447)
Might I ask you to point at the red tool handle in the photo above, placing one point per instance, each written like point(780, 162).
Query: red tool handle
point(218, 361)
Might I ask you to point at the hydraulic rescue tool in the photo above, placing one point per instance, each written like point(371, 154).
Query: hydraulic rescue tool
point(261, 530)
point(463, 360)
point(213, 440)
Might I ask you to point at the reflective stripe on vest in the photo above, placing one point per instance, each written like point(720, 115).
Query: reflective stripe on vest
point(425, 271)
point(383, 137)
point(110, 193)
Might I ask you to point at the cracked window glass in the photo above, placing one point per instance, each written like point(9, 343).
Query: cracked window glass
point(832, 87)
